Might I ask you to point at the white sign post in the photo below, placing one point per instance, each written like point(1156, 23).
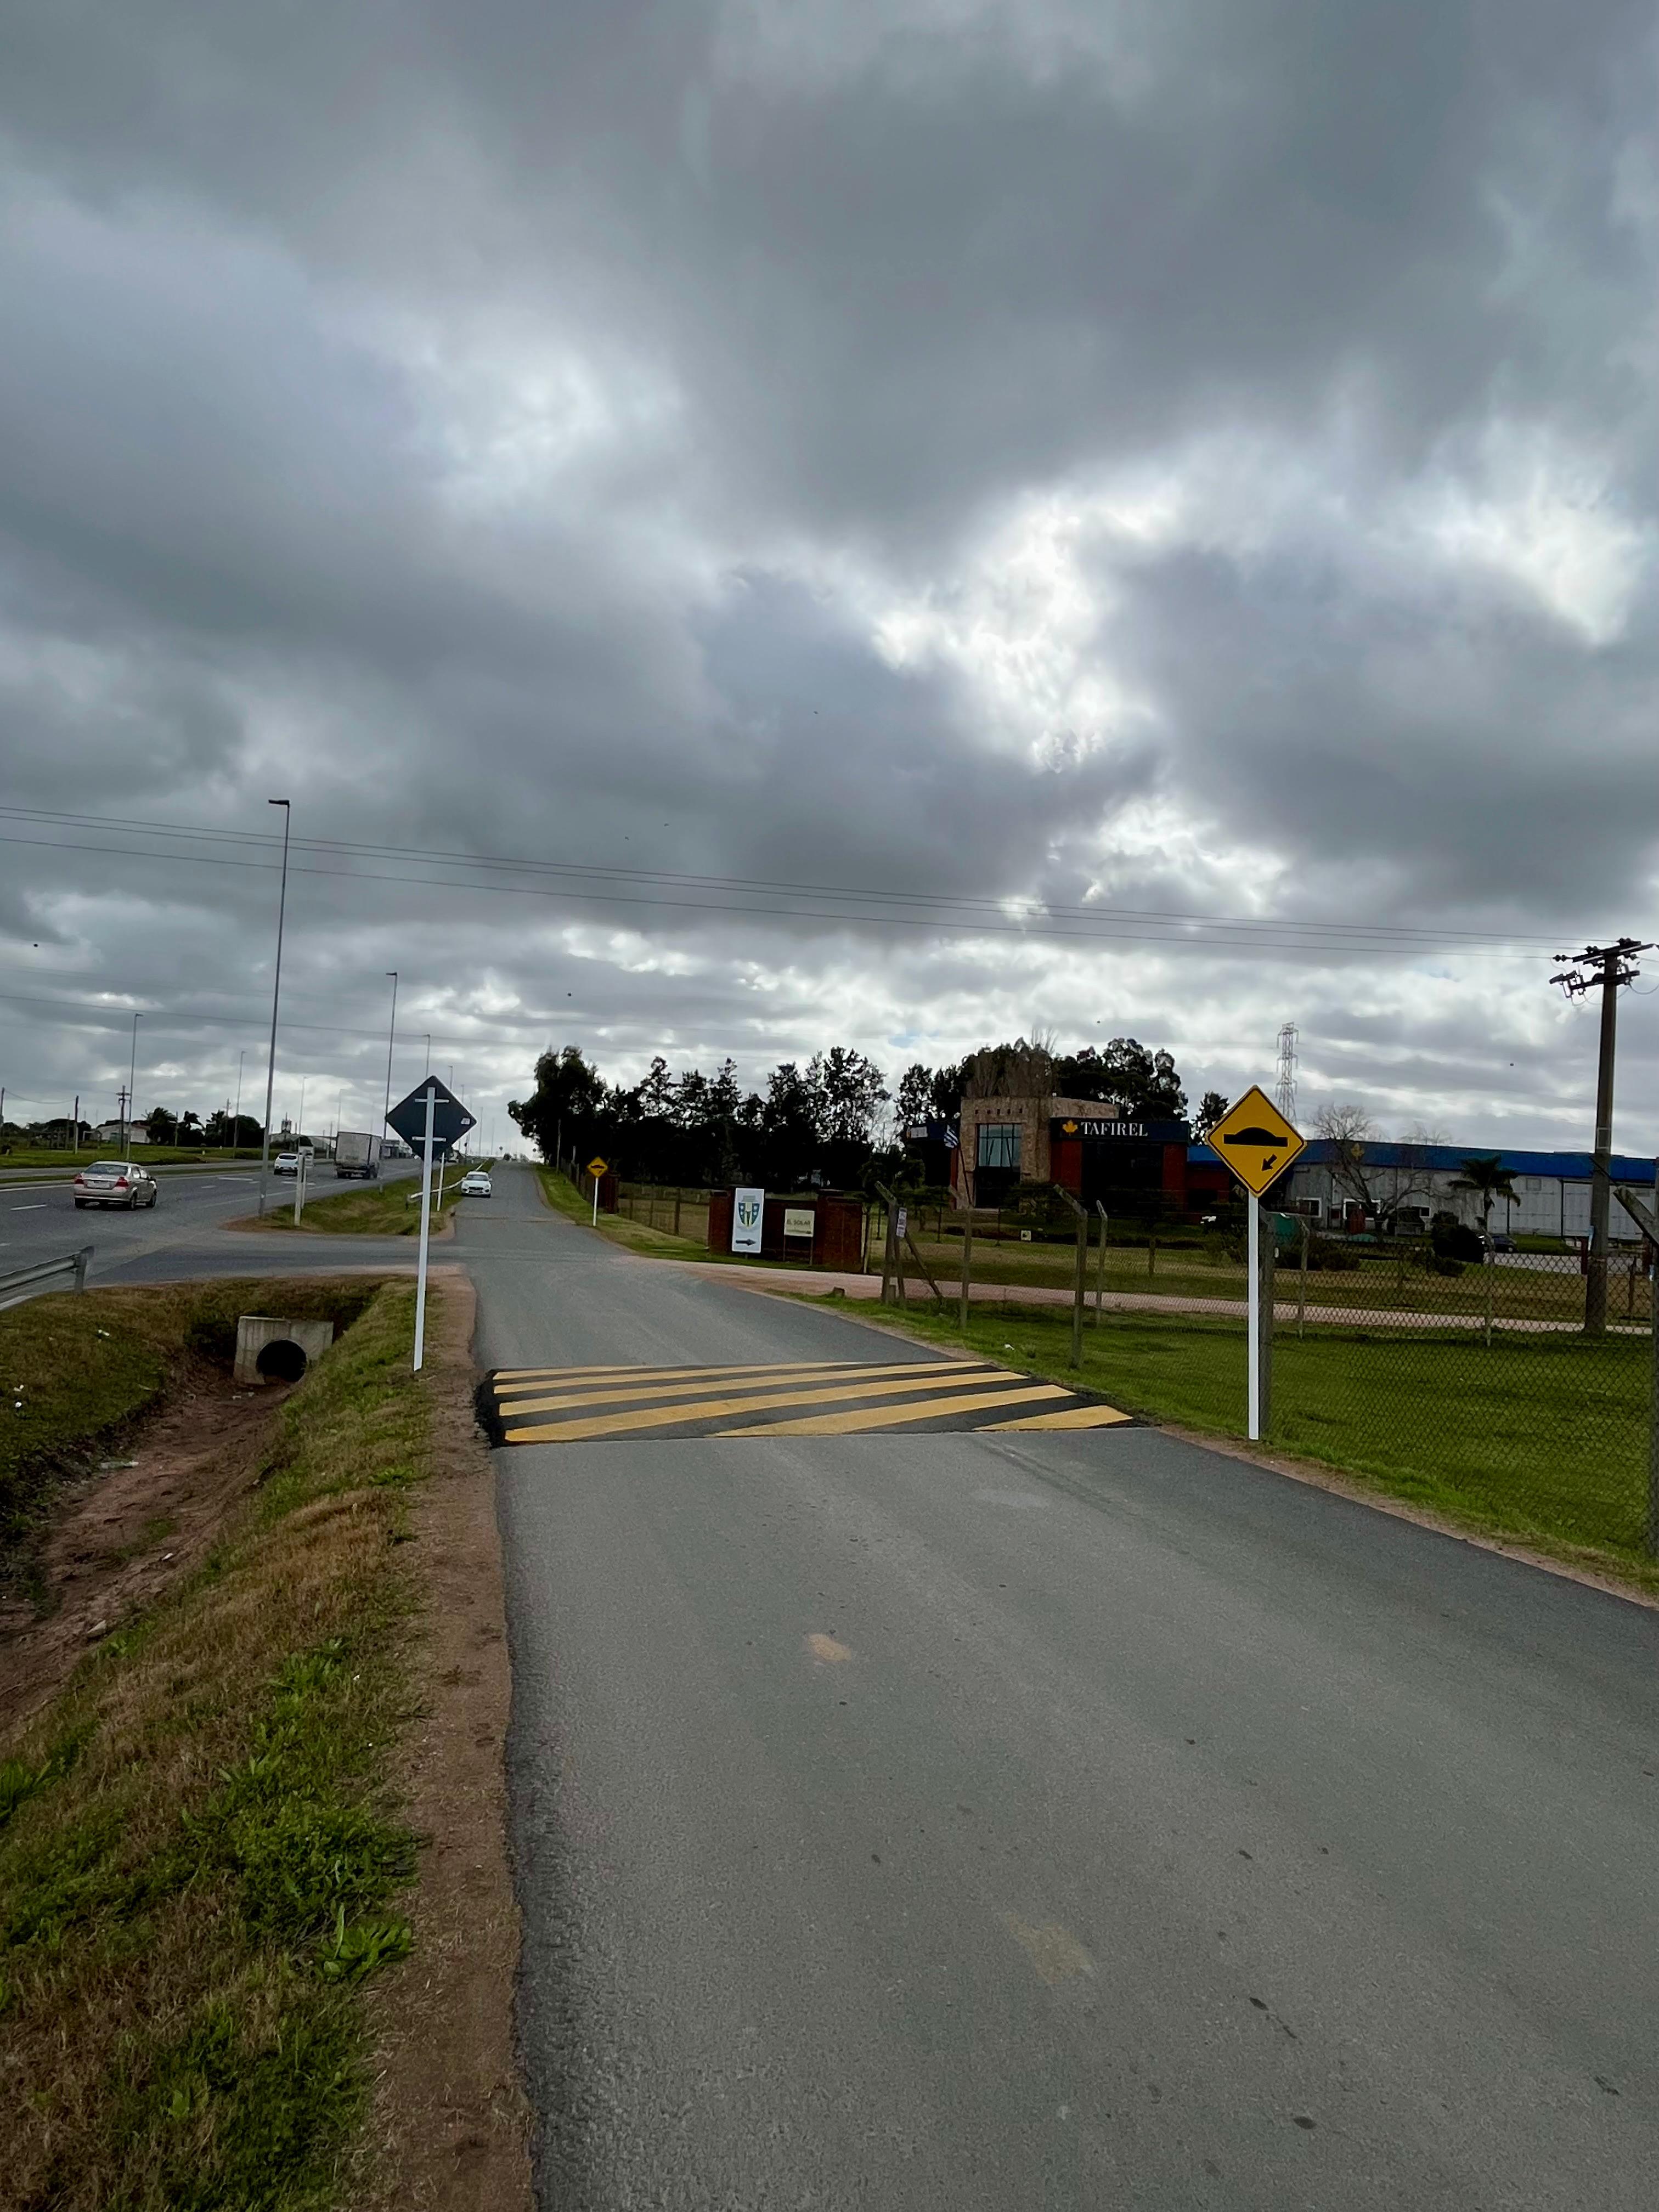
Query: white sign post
point(748, 1216)
point(426, 1227)
point(299, 1189)
point(1254, 1206)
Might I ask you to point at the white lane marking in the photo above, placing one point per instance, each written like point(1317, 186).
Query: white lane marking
point(38, 1207)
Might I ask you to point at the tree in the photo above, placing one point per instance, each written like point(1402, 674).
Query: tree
point(913, 1100)
point(1379, 1188)
point(848, 1095)
point(1212, 1109)
point(161, 1127)
point(1147, 1085)
point(570, 1097)
point(1487, 1181)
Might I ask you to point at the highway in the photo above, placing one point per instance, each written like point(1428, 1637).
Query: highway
point(182, 1234)
point(1034, 1818)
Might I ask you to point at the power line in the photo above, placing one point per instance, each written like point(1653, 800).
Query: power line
point(1112, 924)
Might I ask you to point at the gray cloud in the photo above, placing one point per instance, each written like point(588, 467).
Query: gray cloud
point(1185, 455)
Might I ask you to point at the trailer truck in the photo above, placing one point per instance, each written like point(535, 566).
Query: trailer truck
point(356, 1153)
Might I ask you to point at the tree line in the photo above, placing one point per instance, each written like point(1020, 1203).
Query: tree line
point(834, 1121)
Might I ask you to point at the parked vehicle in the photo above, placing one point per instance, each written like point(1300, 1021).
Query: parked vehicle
point(475, 1184)
point(357, 1153)
point(1500, 1241)
point(116, 1183)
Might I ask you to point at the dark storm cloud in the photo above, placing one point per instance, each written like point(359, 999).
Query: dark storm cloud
point(508, 429)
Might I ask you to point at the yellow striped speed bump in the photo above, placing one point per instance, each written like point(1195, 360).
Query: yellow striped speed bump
point(806, 1398)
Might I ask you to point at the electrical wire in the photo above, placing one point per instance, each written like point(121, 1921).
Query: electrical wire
point(758, 895)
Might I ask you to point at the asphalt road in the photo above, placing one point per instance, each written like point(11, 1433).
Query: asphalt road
point(1142, 1830)
point(182, 1234)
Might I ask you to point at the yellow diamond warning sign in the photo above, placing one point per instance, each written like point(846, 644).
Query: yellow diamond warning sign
point(597, 1167)
point(1256, 1141)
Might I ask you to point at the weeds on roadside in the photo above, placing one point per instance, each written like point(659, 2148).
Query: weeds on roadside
point(199, 1864)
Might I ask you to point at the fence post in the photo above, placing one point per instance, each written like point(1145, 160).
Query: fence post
point(676, 1209)
point(1079, 1290)
point(891, 1262)
point(1302, 1285)
point(967, 1266)
point(1100, 1263)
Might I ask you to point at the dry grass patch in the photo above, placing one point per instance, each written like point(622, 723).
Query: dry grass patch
point(200, 1858)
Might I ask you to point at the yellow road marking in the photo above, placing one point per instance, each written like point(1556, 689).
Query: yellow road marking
point(664, 1417)
point(1070, 1417)
point(525, 1377)
point(893, 1417)
point(585, 1394)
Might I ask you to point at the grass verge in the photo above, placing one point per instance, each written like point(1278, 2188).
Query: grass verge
point(1542, 1439)
point(200, 1860)
point(79, 1371)
point(362, 1209)
point(631, 1235)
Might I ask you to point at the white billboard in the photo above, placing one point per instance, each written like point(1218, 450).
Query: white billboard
point(748, 1212)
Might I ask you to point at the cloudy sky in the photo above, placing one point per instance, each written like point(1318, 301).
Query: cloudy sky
point(910, 520)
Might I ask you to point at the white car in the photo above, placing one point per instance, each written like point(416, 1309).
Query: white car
point(286, 1164)
point(116, 1183)
point(475, 1184)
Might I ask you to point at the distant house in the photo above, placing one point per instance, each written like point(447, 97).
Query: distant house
point(110, 1133)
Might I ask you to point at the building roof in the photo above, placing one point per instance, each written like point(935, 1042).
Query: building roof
point(1570, 1167)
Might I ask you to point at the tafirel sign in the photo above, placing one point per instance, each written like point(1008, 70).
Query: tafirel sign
point(800, 1221)
point(747, 1213)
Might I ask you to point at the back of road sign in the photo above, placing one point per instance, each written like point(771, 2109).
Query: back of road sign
point(1256, 1141)
point(450, 1119)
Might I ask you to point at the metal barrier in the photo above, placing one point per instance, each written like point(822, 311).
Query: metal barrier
point(22, 1283)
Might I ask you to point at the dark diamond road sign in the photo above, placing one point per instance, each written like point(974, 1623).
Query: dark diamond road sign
point(450, 1119)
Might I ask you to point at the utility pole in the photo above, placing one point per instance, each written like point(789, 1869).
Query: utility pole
point(1603, 967)
point(390, 1039)
point(276, 1000)
point(1284, 1089)
point(236, 1123)
point(132, 1102)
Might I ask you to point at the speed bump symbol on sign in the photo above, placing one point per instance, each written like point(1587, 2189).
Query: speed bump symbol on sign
point(598, 1167)
point(1257, 1141)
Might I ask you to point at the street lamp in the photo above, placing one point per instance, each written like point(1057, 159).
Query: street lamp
point(132, 1077)
point(390, 1039)
point(236, 1124)
point(275, 997)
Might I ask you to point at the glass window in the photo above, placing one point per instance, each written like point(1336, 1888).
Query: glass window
point(999, 1145)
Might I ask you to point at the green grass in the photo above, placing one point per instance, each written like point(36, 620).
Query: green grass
point(200, 1861)
point(77, 1371)
point(1543, 1438)
point(362, 1209)
point(615, 1228)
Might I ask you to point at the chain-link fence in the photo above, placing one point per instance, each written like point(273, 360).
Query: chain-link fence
point(1519, 1384)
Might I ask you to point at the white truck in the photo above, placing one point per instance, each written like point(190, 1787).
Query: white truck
point(356, 1153)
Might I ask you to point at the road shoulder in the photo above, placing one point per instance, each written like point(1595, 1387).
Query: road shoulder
point(450, 2119)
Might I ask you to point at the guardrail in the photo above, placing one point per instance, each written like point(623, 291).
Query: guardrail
point(22, 1283)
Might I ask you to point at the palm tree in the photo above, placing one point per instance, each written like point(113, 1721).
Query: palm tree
point(1488, 1180)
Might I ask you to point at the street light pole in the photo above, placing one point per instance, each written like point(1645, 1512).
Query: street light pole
point(236, 1124)
point(132, 1077)
point(390, 1039)
point(275, 998)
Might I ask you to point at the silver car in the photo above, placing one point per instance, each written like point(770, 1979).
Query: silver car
point(116, 1183)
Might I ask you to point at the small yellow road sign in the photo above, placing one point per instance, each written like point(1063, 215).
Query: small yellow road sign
point(598, 1167)
point(1256, 1141)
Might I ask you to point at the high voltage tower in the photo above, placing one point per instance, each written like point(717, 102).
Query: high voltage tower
point(1284, 1089)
